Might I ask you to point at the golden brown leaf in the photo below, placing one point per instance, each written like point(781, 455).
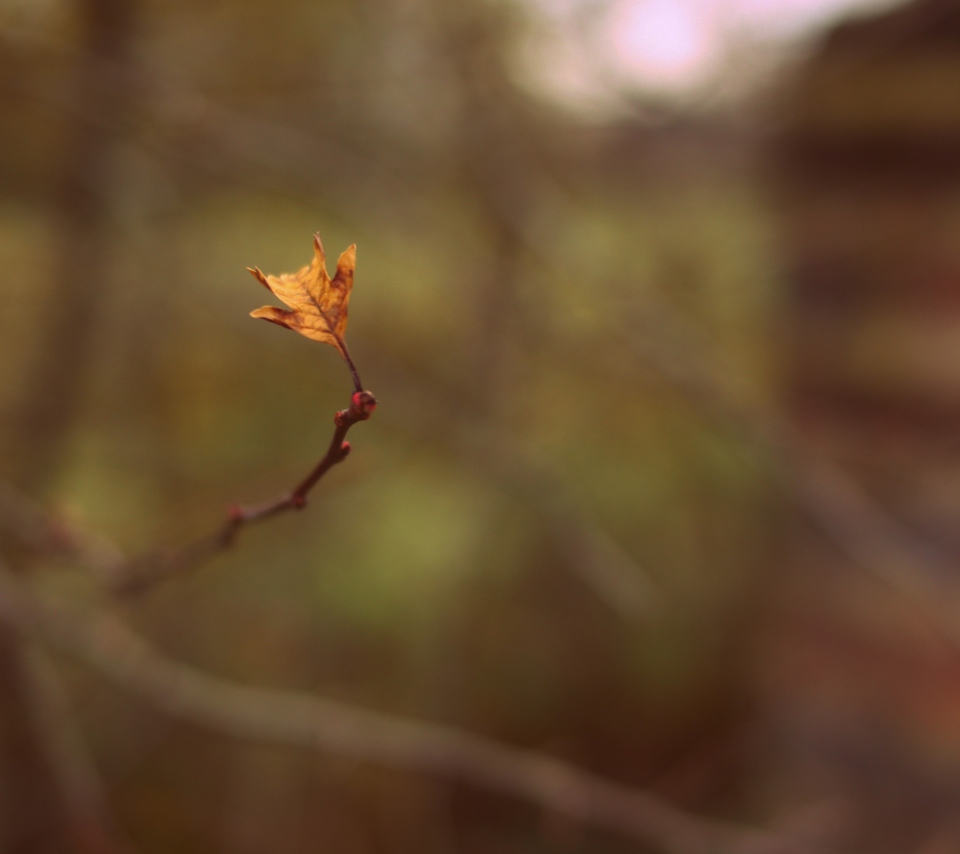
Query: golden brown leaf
point(318, 304)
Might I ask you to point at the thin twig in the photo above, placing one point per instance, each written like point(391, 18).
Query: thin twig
point(138, 574)
point(295, 719)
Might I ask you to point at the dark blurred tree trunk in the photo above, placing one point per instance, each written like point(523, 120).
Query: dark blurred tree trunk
point(99, 105)
point(31, 801)
point(34, 815)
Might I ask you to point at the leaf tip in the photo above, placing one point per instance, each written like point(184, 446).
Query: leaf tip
point(258, 275)
point(346, 265)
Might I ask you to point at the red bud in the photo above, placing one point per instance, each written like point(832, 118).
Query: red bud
point(363, 403)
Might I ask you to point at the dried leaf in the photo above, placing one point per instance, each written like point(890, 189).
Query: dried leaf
point(318, 304)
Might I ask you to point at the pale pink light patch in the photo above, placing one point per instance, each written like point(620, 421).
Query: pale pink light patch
point(664, 43)
point(677, 44)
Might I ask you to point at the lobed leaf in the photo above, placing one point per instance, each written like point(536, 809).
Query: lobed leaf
point(317, 303)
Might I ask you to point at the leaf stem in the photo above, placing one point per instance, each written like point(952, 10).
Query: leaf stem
point(354, 373)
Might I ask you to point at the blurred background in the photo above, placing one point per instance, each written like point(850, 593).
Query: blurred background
point(660, 302)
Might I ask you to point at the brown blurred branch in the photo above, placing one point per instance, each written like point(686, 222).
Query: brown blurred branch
point(33, 528)
point(587, 550)
point(490, 449)
point(838, 507)
point(295, 719)
point(142, 572)
point(91, 824)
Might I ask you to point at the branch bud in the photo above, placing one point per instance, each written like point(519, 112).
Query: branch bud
point(362, 405)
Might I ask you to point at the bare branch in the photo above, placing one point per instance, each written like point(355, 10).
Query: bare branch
point(295, 719)
point(138, 574)
point(589, 551)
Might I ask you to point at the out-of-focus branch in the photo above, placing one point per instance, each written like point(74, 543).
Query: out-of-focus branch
point(877, 542)
point(91, 826)
point(33, 528)
point(829, 498)
point(588, 551)
point(142, 572)
point(271, 154)
point(294, 719)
